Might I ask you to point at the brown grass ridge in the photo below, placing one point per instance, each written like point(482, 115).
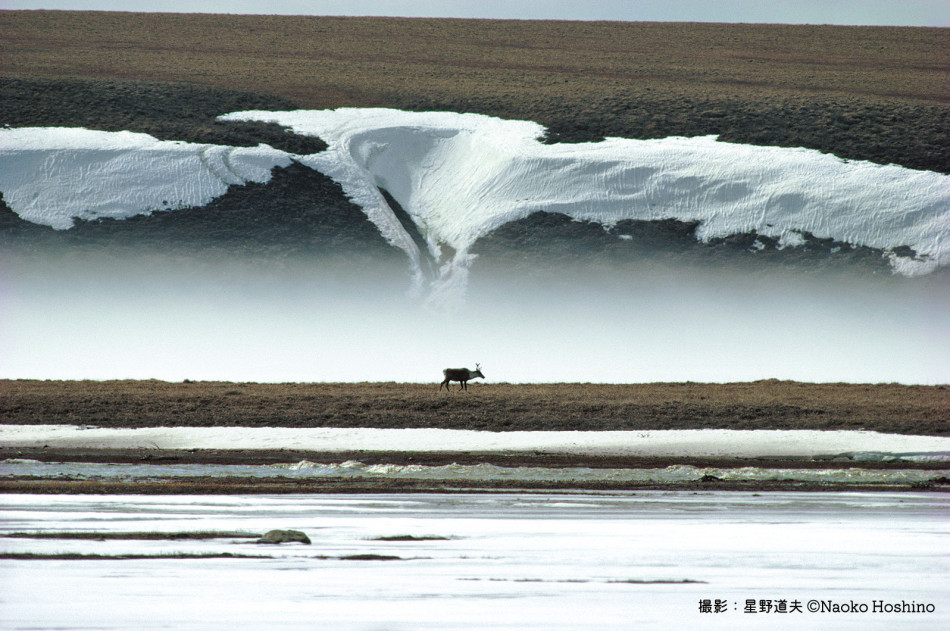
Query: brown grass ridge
point(485, 406)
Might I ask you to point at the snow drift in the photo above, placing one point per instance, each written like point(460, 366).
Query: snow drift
point(53, 175)
point(710, 443)
point(460, 176)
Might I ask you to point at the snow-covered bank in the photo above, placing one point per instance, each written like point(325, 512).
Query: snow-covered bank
point(666, 443)
point(106, 312)
point(53, 175)
point(460, 176)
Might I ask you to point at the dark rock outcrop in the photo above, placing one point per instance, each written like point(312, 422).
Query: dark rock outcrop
point(284, 536)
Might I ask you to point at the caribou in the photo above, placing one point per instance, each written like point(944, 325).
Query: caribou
point(462, 375)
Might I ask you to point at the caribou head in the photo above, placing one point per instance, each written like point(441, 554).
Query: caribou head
point(462, 375)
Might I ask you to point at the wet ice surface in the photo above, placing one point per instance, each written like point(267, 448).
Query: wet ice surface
point(502, 561)
point(475, 474)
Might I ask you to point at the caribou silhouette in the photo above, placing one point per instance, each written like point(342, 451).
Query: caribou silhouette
point(462, 375)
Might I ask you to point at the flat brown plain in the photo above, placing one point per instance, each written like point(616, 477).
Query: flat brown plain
point(333, 61)
point(485, 406)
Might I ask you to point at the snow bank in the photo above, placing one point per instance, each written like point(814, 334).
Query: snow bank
point(52, 176)
point(659, 443)
point(460, 176)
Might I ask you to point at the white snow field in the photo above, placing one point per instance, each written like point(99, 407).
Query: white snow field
point(703, 443)
point(53, 175)
point(460, 176)
point(645, 560)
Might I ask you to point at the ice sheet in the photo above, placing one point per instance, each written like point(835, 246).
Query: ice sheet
point(577, 561)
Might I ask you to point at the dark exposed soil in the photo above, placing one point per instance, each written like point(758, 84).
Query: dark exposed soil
point(544, 241)
point(167, 111)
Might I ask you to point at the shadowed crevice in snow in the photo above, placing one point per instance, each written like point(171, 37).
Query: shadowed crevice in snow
point(427, 263)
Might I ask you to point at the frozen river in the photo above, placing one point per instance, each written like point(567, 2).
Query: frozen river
point(655, 560)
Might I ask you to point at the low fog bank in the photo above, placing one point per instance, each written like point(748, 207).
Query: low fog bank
point(175, 318)
point(718, 323)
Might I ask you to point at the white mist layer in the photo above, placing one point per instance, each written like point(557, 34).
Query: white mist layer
point(52, 176)
point(460, 176)
point(120, 317)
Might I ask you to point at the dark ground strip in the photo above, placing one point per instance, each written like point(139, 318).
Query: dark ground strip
point(870, 93)
point(769, 404)
point(433, 459)
point(69, 556)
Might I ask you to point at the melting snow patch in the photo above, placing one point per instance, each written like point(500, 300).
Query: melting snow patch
point(662, 443)
point(878, 456)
